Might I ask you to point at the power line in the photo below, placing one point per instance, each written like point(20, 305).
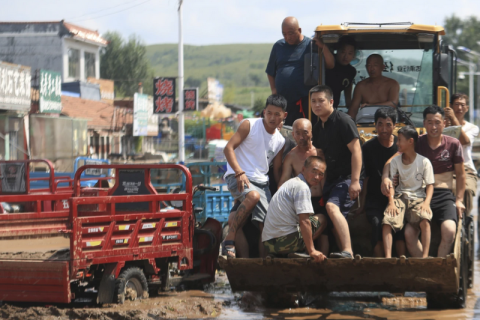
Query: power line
point(97, 11)
point(109, 14)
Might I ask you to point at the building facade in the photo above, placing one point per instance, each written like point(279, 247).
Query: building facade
point(57, 46)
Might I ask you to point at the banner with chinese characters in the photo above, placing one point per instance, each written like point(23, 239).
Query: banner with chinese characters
point(190, 99)
point(140, 114)
point(50, 92)
point(15, 84)
point(164, 95)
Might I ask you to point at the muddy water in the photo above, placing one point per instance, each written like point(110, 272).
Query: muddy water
point(219, 302)
point(352, 305)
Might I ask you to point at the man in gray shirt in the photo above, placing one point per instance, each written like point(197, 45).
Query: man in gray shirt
point(290, 225)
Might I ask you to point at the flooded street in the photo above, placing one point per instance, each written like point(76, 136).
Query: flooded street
point(378, 305)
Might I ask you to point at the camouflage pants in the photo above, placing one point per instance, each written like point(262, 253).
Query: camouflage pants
point(290, 243)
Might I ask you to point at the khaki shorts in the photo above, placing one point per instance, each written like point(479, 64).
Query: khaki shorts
point(409, 210)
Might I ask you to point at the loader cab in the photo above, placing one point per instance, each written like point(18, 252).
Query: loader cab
point(414, 55)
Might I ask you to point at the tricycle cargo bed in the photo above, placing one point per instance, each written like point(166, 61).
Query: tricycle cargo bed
point(367, 274)
point(34, 281)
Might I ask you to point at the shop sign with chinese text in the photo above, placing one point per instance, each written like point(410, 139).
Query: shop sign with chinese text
point(140, 114)
point(50, 92)
point(190, 99)
point(164, 95)
point(15, 84)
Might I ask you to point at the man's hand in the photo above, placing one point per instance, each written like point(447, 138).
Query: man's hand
point(354, 190)
point(449, 114)
point(395, 180)
point(317, 256)
point(386, 186)
point(391, 210)
point(241, 181)
point(425, 208)
point(363, 105)
point(460, 208)
point(318, 42)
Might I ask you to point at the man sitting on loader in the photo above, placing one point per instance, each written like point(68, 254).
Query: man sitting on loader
point(290, 224)
point(376, 89)
point(446, 155)
point(255, 145)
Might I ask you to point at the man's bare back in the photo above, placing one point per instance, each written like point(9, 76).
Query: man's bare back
point(293, 165)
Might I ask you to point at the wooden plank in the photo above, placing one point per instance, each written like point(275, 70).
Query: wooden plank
point(369, 274)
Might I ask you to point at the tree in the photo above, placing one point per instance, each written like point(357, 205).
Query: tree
point(465, 33)
point(126, 63)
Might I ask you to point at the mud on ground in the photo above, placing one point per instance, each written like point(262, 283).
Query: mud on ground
point(182, 305)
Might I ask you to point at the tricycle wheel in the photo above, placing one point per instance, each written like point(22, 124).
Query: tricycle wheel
point(131, 284)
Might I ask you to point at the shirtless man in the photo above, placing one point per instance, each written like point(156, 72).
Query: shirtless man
point(376, 89)
point(293, 164)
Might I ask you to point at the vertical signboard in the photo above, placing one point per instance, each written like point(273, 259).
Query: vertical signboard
point(190, 98)
point(164, 96)
point(50, 92)
point(140, 114)
point(152, 119)
point(15, 84)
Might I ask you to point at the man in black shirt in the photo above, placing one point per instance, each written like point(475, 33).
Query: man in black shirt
point(376, 152)
point(336, 135)
point(339, 73)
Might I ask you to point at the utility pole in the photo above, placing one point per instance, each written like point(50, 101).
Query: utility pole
point(181, 119)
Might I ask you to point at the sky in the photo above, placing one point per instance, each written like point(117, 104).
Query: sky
point(208, 22)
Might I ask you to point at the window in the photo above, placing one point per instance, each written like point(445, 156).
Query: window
point(89, 65)
point(73, 63)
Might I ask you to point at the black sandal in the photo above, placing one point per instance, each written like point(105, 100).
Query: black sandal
point(341, 255)
point(229, 252)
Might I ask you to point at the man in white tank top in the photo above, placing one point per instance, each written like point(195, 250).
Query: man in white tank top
point(256, 144)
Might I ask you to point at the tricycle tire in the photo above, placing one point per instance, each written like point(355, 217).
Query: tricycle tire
point(132, 284)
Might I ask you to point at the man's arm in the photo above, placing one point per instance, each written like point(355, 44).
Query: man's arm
point(386, 181)
point(271, 80)
point(460, 177)
point(229, 151)
point(329, 58)
point(306, 230)
point(356, 150)
point(355, 103)
point(277, 165)
point(363, 197)
point(464, 139)
point(348, 95)
point(286, 170)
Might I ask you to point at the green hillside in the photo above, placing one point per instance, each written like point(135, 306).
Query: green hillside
point(239, 67)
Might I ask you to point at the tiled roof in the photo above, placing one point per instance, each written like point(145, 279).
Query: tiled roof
point(99, 114)
point(85, 34)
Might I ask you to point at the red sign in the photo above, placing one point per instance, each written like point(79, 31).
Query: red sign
point(164, 95)
point(190, 99)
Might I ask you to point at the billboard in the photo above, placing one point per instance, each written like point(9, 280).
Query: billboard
point(140, 114)
point(50, 92)
point(164, 96)
point(190, 99)
point(15, 84)
point(107, 91)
